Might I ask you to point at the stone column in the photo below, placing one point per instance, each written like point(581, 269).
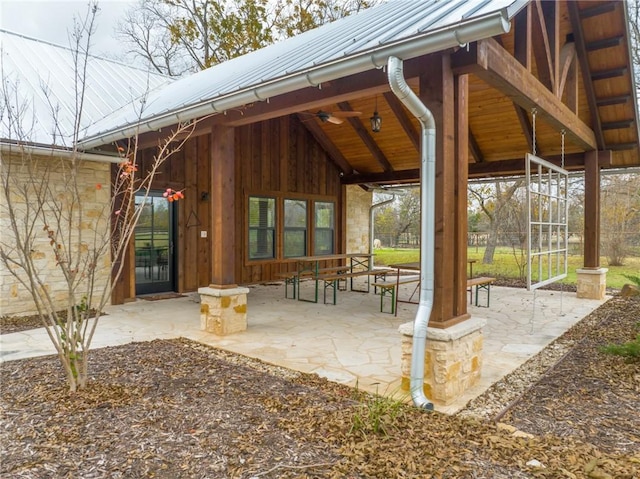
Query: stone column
point(591, 283)
point(223, 311)
point(452, 362)
point(358, 204)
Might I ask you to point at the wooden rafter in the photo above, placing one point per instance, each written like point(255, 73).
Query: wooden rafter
point(617, 125)
point(567, 62)
point(581, 49)
point(474, 149)
point(543, 51)
point(366, 138)
point(522, 37)
point(398, 176)
point(332, 150)
point(613, 100)
point(609, 73)
point(598, 10)
point(604, 43)
point(525, 124)
point(496, 67)
point(403, 119)
point(516, 166)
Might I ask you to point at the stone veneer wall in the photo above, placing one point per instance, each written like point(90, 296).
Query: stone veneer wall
point(358, 207)
point(14, 298)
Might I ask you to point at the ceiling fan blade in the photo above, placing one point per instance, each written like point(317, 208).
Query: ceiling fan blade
point(346, 114)
point(335, 120)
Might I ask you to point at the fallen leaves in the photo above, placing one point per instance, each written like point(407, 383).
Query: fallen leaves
point(179, 409)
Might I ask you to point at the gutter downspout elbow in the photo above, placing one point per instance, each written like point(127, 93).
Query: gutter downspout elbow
point(404, 93)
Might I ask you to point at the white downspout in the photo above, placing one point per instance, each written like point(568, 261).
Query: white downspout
point(427, 225)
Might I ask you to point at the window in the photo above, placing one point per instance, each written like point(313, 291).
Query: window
point(324, 228)
point(262, 220)
point(295, 228)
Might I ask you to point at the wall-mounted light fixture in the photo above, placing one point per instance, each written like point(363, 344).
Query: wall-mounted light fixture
point(376, 120)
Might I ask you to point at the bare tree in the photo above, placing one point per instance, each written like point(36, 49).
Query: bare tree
point(179, 36)
point(493, 200)
point(64, 235)
point(620, 216)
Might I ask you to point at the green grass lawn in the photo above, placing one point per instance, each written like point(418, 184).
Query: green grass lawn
point(505, 266)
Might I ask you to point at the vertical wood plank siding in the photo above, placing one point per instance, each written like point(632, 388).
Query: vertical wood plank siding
point(277, 158)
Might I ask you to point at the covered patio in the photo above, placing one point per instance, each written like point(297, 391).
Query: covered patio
point(351, 343)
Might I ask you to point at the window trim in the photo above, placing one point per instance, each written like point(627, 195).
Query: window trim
point(273, 229)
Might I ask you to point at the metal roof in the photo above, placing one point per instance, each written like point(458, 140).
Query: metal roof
point(390, 24)
point(39, 77)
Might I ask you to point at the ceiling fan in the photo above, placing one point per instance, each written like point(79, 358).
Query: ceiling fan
point(335, 117)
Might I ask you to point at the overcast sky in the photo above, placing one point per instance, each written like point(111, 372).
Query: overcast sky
point(51, 20)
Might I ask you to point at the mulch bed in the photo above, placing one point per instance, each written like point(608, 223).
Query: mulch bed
point(15, 324)
point(588, 394)
point(178, 409)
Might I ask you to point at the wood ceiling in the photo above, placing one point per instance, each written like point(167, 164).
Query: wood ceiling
point(568, 60)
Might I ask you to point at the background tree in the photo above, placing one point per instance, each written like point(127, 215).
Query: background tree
point(493, 200)
point(620, 216)
point(178, 36)
point(63, 233)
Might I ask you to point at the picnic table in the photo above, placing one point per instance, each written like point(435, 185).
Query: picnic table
point(314, 268)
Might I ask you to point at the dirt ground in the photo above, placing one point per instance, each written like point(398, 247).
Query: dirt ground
point(177, 409)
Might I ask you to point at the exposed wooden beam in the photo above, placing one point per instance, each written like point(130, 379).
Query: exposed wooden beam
point(344, 89)
point(604, 43)
point(522, 37)
point(617, 125)
point(496, 67)
point(542, 49)
point(567, 59)
point(332, 150)
point(623, 146)
point(401, 176)
point(403, 119)
point(597, 10)
point(613, 100)
point(516, 166)
point(366, 138)
point(585, 69)
point(610, 73)
point(525, 124)
point(474, 148)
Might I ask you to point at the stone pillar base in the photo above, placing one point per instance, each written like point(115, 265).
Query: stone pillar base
point(223, 311)
point(591, 283)
point(452, 362)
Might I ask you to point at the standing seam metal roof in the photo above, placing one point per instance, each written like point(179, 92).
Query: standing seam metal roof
point(42, 76)
point(386, 24)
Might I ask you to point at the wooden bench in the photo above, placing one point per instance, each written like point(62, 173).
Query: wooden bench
point(481, 282)
point(390, 288)
point(292, 278)
point(332, 281)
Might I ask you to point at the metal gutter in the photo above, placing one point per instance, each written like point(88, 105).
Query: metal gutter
point(489, 25)
point(404, 93)
point(13, 148)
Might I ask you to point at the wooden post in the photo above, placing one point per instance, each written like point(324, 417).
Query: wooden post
point(461, 178)
point(437, 91)
point(223, 207)
point(591, 210)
